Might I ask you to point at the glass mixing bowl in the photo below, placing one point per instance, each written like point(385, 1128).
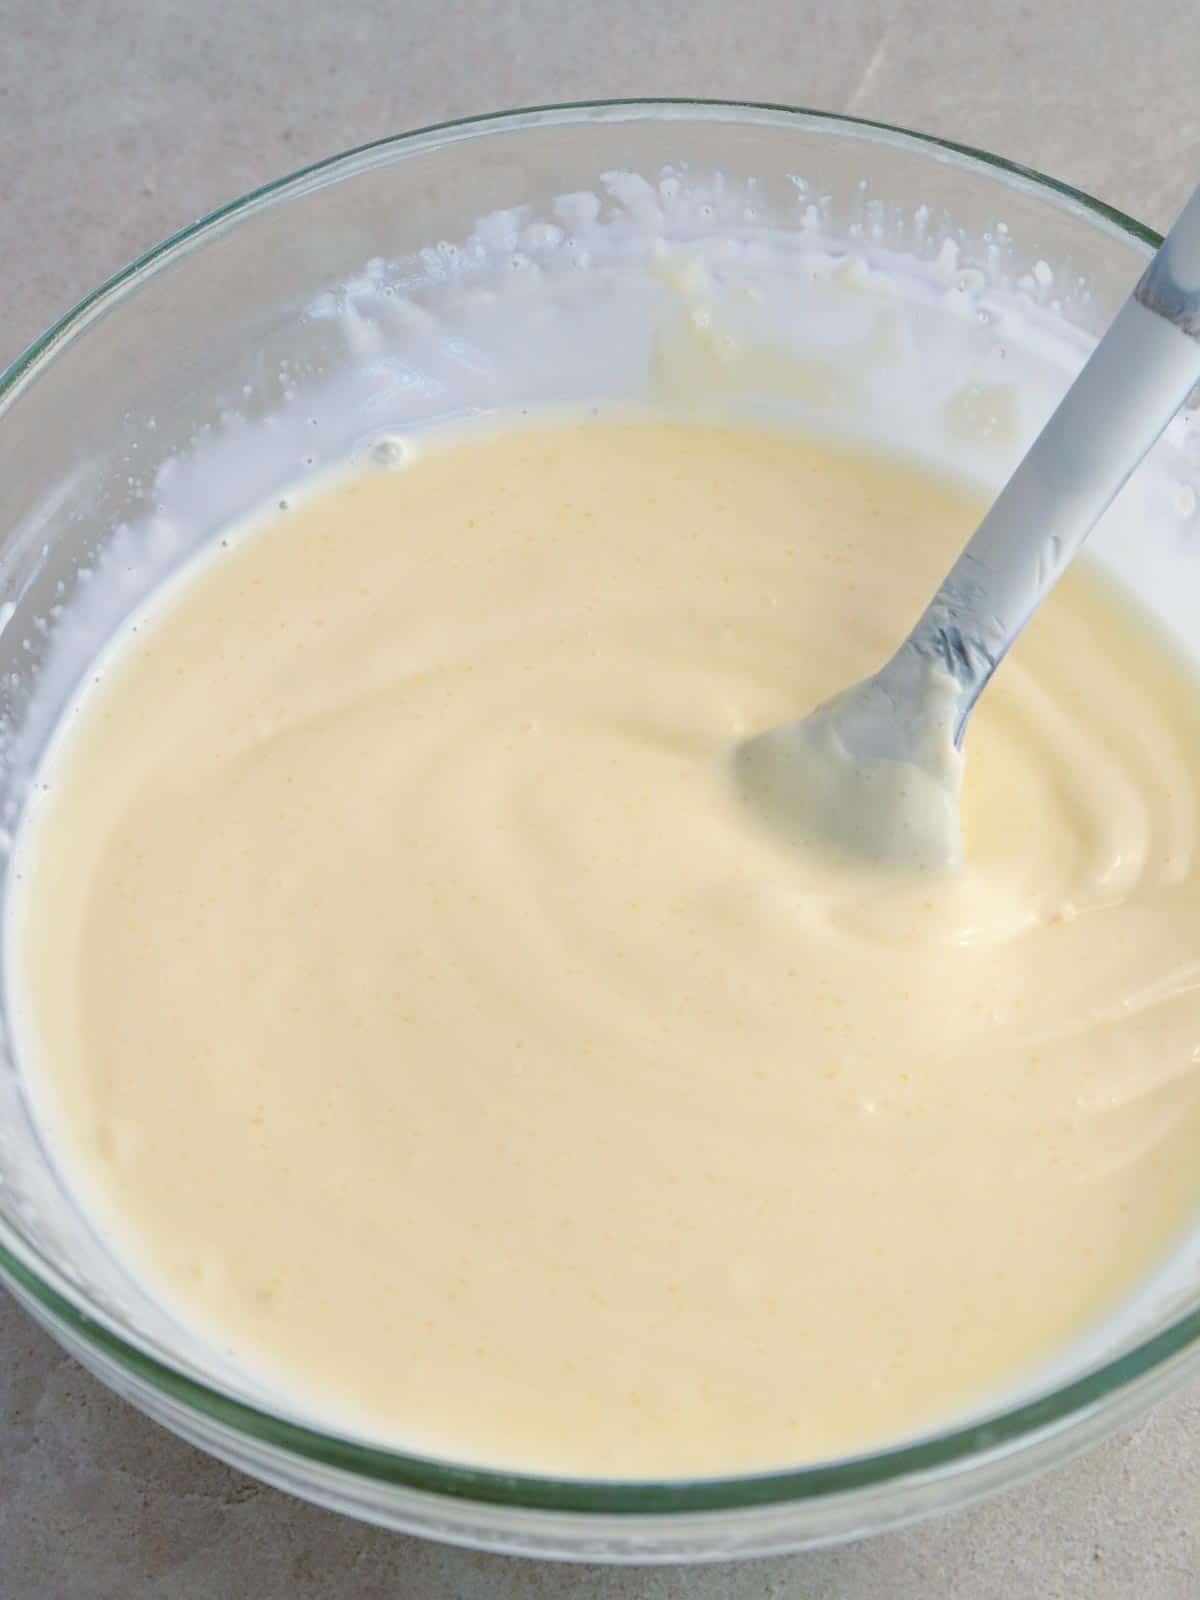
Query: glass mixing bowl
point(221, 325)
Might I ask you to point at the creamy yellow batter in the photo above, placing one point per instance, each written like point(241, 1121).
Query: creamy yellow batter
point(413, 993)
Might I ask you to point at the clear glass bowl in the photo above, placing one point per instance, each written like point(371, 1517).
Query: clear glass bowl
point(207, 323)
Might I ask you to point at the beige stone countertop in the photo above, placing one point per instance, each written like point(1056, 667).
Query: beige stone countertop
point(121, 121)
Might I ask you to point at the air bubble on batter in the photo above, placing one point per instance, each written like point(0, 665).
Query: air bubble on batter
point(389, 450)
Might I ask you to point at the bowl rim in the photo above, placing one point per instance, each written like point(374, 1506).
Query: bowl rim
point(1003, 1431)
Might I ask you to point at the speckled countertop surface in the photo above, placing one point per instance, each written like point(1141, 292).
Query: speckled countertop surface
point(120, 121)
